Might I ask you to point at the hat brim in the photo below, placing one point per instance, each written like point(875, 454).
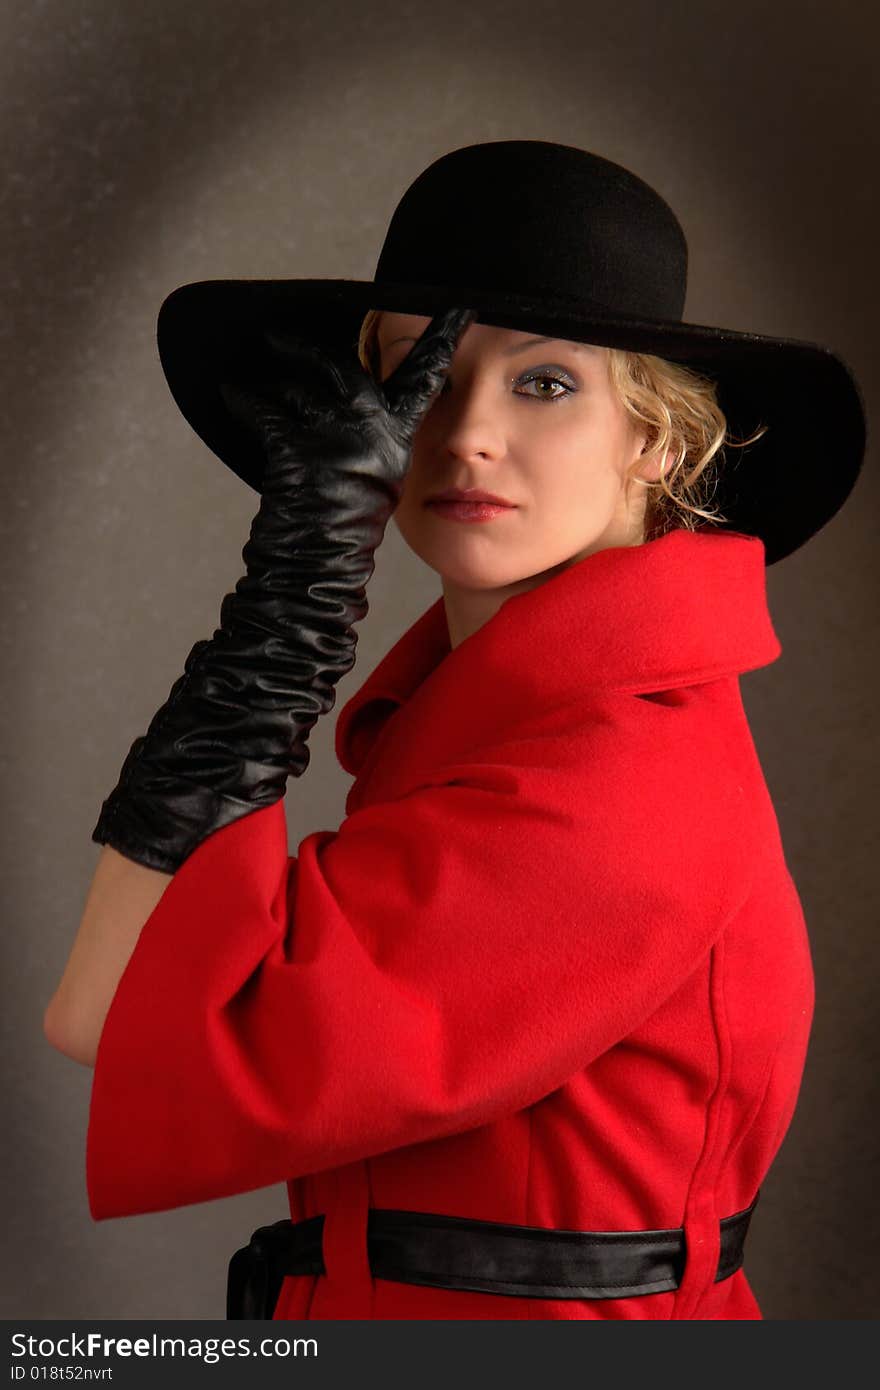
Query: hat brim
point(783, 488)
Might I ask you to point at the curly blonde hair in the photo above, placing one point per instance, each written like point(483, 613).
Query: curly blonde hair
point(680, 409)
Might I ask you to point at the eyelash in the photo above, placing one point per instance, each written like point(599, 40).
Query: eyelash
point(542, 374)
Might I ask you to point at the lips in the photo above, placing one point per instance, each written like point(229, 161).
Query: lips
point(468, 511)
point(472, 495)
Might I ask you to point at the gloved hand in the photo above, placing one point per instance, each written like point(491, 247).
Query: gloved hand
point(234, 728)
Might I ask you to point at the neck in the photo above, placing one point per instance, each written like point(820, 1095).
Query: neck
point(468, 609)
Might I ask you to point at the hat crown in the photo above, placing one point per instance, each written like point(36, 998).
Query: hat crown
point(536, 219)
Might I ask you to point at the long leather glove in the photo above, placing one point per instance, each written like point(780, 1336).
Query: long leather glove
point(337, 445)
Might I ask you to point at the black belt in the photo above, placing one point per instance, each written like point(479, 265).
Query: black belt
point(454, 1252)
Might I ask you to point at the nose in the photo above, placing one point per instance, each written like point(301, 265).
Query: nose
point(465, 419)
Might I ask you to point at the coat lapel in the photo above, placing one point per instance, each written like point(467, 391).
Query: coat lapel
point(683, 609)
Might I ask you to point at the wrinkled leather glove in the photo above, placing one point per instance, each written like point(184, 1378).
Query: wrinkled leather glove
point(338, 446)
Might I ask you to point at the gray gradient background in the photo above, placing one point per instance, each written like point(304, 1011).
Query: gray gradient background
point(146, 145)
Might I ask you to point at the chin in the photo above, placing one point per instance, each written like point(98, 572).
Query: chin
point(484, 573)
point(464, 574)
point(477, 561)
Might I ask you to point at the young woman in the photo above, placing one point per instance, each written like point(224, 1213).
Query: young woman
point(524, 1035)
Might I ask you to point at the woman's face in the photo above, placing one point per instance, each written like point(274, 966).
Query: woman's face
point(535, 423)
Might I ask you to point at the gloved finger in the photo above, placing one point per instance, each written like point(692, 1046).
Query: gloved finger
point(267, 408)
point(245, 403)
point(310, 366)
point(416, 381)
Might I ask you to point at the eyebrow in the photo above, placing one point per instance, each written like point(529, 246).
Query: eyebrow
point(517, 347)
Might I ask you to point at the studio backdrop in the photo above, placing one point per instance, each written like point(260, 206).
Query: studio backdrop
point(151, 145)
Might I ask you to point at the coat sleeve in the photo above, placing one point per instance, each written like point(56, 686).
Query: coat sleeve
point(439, 961)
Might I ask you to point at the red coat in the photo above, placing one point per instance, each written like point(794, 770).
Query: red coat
point(551, 970)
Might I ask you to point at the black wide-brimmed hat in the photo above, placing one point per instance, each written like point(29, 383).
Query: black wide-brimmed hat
point(556, 241)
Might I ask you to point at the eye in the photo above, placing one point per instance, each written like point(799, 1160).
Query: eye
point(543, 374)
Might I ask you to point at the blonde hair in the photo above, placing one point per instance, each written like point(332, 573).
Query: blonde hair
point(680, 409)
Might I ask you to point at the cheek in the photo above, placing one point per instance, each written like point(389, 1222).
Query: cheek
point(574, 472)
point(424, 448)
point(409, 507)
point(561, 465)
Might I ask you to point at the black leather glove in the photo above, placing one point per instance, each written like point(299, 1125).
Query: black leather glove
point(234, 728)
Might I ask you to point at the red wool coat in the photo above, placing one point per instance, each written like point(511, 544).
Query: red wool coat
point(551, 970)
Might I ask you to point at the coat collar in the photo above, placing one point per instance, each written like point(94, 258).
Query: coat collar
point(688, 607)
